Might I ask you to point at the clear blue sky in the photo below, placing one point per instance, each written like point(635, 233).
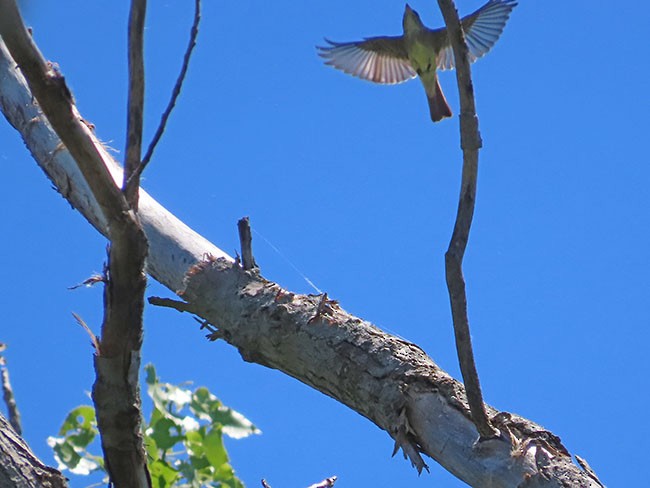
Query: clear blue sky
point(358, 189)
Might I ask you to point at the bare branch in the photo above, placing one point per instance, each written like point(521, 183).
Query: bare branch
point(8, 393)
point(135, 105)
point(116, 391)
point(169, 303)
point(246, 242)
point(470, 143)
point(177, 88)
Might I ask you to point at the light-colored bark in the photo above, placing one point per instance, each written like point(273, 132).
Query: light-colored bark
point(388, 380)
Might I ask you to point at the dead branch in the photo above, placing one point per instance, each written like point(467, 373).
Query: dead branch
point(8, 393)
point(116, 391)
point(470, 144)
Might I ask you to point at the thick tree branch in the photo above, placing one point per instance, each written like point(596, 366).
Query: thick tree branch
point(470, 144)
point(388, 380)
point(19, 467)
point(116, 391)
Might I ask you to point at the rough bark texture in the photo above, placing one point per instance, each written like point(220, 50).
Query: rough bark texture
point(388, 380)
point(19, 467)
point(116, 389)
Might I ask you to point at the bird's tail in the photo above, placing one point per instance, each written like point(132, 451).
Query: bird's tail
point(438, 106)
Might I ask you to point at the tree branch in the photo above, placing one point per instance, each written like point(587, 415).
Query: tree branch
point(470, 144)
point(8, 393)
point(386, 379)
point(246, 243)
point(194, 32)
point(19, 467)
point(116, 391)
point(135, 104)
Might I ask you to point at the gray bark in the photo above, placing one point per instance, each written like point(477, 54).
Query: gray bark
point(19, 467)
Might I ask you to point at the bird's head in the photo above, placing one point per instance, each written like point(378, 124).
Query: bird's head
point(411, 20)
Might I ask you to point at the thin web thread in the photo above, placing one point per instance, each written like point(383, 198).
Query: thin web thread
point(309, 282)
point(295, 268)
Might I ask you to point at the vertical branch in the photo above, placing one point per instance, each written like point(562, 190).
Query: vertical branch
point(194, 32)
point(246, 242)
point(8, 394)
point(470, 144)
point(135, 105)
point(116, 390)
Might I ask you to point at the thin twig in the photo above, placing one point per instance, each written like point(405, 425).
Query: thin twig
point(135, 104)
point(175, 92)
point(470, 144)
point(94, 340)
point(8, 394)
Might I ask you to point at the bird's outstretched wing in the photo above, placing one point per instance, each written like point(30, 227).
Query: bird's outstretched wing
point(378, 59)
point(482, 29)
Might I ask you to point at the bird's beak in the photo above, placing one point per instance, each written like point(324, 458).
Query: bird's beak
point(408, 8)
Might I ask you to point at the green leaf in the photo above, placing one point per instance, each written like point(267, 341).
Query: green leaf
point(165, 433)
point(169, 399)
point(215, 451)
point(162, 474)
point(197, 420)
point(150, 374)
point(203, 402)
point(208, 407)
point(64, 452)
point(151, 448)
point(235, 425)
point(80, 418)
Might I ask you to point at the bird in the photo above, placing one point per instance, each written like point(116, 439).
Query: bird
point(419, 51)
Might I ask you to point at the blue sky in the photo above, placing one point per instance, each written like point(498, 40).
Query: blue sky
point(358, 190)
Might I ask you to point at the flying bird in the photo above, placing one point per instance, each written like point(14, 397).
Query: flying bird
point(420, 51)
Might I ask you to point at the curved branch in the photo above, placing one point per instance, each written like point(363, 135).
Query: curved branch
point(194, 32)
point(470, 144)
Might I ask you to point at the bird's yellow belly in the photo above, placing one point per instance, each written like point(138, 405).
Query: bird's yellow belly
point(421, 57)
